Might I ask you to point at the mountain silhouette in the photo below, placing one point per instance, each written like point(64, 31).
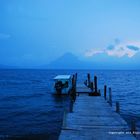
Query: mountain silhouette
point(98, 61)
point(66, 61)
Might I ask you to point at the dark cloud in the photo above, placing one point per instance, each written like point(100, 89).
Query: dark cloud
point(131, 47)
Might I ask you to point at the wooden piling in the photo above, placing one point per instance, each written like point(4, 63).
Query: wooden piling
point(85, 82)
point(94, 88)
point(88, 76)
point(117, 107)
point(73, 90)
point(71, 106)
point(105, 87)
point(133, 127)
point(95, 82)
point(110, 96)
point(72, 80)
point(99, 91)
point(91, 86)
point(73, 94)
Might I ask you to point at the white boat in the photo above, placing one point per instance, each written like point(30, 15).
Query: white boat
point(63, 84)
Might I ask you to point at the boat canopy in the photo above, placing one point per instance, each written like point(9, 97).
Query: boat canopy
point(62, 77)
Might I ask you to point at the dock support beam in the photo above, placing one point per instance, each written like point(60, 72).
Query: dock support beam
point(133, 127)
point(95, 82)
point(117, 107)
point(105, 87)
point(85, 82)
point(88, 76)
point(71, 106)
point(73, 90)
point(95, 92)
point(91, 86)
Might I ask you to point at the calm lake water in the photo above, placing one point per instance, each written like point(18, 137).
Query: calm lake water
point(29, 111)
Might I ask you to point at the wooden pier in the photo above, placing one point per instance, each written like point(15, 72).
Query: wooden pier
point(92, 118)
point(82, 89)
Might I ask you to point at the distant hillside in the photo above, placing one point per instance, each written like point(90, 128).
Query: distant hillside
point(67, 61)
point(99, 61)
point(104, 61)
point(7, 67)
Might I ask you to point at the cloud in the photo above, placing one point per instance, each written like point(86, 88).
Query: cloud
point(4, 36)
point(110, 47)
point(131, 47)
point(118, 49)
point(93, 52)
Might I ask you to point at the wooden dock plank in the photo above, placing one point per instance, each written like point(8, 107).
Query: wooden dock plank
point(94, 119)
point(93, 135)
point(80, 88)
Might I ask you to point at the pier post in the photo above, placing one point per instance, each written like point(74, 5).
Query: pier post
point(88, 76)
point(73, 90)
point(133, 127)
point(105, 87)
point(71, 106)
point(110, 96)
point(117, 107)
point(96, 92)
point(85, 82)
point(73, 94)
point(95, 82)
point(99, 91)
point(91, 86)
point(72, 80)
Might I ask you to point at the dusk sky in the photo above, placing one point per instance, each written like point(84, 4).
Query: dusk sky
point(36, 32)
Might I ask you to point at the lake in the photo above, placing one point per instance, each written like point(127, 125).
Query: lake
point(28, 110)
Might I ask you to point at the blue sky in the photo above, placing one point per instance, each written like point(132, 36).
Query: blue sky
point(36, 32)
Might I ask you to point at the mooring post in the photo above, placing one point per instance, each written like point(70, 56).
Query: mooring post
point(95, 82)
point(99, 91)
point(73, 94)
point(117, 107)
point(72, 80)
point(110, 96)
point(88, 79)
point(105, 87)
point(75, 87)
point(91, 86)
point(133, 127)
point(71, 106)
point(85, 82)
point(73, 90)
point(75, 79)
